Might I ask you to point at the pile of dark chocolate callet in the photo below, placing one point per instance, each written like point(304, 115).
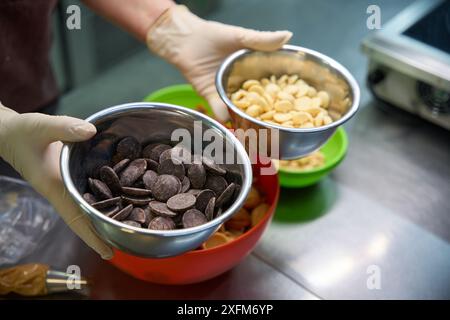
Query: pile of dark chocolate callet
point(156, 188)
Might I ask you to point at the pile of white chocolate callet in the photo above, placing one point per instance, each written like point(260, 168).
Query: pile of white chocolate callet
point(286, 101)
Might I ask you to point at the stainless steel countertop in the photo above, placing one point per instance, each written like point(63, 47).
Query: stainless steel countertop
point(385, 205)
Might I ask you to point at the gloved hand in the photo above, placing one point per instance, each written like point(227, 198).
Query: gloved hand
point(31, 143)
point(198, 47)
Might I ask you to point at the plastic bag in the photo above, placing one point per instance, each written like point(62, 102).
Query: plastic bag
point(25, 218)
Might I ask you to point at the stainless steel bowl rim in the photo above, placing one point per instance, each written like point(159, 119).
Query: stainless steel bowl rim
point(290, 48)
point(246, 183)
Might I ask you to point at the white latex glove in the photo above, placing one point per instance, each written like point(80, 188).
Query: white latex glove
point(198, 47)
point(31, 143)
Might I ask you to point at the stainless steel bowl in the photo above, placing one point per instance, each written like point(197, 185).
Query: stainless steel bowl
point(147, 122)
point(316, 69)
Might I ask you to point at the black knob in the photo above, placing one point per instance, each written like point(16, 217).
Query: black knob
point(376, 76)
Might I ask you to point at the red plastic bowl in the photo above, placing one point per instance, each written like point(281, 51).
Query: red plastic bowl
point(200, 265)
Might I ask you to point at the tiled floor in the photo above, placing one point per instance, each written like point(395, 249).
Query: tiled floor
point(331, 27)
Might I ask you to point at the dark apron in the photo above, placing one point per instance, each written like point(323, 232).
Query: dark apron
point(26, 79)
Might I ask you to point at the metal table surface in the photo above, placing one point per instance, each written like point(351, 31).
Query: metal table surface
point(385, 207)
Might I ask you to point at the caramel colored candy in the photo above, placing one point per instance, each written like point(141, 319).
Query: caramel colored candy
point(253, 199)
point(240, 220)
point(217, 239)
point(258, 213)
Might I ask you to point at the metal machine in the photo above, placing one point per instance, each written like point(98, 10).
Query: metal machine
point(409, 61)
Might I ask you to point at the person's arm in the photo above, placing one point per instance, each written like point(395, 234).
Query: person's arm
point(195, 46)
point(135, 16)
point(198, 47)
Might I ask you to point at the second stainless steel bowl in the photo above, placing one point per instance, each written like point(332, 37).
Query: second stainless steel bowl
point(147, 122)
point(315, 68)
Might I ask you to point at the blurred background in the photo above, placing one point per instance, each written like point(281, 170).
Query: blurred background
point(94, 64)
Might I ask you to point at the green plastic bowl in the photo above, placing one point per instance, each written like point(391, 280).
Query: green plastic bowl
point(334, 150)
